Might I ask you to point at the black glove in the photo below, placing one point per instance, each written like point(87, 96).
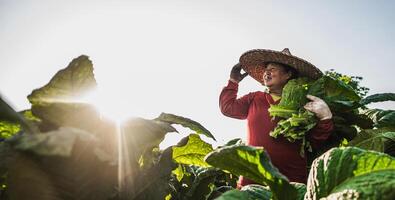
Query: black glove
point(235, 74)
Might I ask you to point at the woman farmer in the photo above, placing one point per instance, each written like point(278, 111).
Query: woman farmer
point(273, 69)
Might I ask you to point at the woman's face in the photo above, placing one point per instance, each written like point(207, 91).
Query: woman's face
point(275, 76)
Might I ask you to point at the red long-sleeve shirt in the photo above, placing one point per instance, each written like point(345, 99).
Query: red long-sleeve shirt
point(283, 154)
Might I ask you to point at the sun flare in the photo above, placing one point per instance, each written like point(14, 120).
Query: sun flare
point(109, 104)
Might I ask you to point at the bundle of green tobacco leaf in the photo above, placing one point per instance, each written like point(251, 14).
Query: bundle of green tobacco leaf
point(295, 121)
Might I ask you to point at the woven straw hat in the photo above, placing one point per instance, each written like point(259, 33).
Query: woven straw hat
point(255, 61)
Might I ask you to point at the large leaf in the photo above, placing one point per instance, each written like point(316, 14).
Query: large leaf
point(152, 183)
point(203, 184)
point(58, 102)
point(292, 98)
point(68, 84)
point(378, 98)
point(381, 118)
point(374, 185)
point(248, 192)
point(78, 115)
point(52, 169)
point(338, 95)
point(138, 138)
point(374, 139)
point(234, 195)
point(54, 143)
point(253, 163)
point(301, 188)
point(193, 152)
point(341, 170)
point(185, 122)
point(140, 134)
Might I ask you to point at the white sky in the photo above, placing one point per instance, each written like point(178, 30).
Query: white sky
point(175, 56)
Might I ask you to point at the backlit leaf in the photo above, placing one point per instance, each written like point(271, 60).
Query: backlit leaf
point(193, 152)
point(185, 122)
point(253, 163)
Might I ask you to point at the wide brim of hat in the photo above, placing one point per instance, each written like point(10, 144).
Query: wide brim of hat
point(254, 62)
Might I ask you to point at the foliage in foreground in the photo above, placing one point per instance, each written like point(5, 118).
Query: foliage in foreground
point(61, 149)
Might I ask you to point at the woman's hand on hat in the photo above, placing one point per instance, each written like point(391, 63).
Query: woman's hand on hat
point(318, 107)
point(235, 74)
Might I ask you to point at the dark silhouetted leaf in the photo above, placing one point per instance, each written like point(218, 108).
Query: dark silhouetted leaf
point(378, 98)
point(54, 143)
point(68, 84)
point(78, 115)
point(58, 102)
point(185, 122)
point(10, 120)
point(51, 169)
point(234, 141)
point(141, 134)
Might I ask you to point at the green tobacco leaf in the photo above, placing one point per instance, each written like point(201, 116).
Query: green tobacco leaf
point(185, 122)
point(203, 183)
point(373, 139)
point(234, 195)
point(68, 84)
point(339, 170)
point(294, 95)
point(248, 192)
point(338, 90)
point(179, 172)
point(374, 185)
point(193, 152)
point(253, 163)
point(281, 111)
point(257, 192)
point(292, 100)
point(8, 129)
point(338, 95)
point(301, 188)
point(381, 118)
point(152, 183)
point(378, 98)
point(234, 141)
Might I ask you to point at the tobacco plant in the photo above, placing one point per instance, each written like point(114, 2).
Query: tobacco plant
point(62, 148)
